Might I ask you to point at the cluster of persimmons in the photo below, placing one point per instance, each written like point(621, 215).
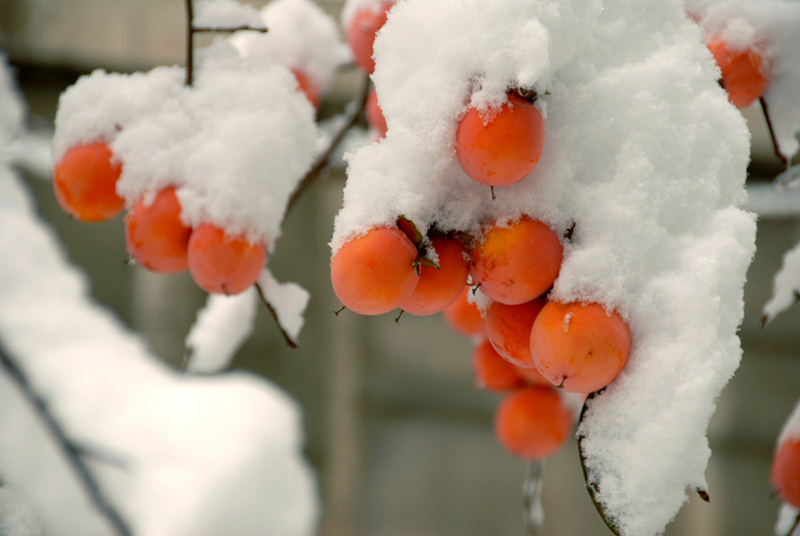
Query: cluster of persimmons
point(529, 345)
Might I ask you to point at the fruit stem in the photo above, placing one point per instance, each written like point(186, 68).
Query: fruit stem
point(775, 147)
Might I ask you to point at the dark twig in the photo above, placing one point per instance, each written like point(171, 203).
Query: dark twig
point(274, 314)
point(775, 146)
point(72, 453)
point(191, 29)
point(322, 160)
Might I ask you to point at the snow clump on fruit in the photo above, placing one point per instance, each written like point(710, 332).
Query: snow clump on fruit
point(642, 152)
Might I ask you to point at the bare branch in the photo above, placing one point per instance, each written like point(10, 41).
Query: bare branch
point(71, 452)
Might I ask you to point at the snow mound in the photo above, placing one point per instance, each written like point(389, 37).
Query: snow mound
point(643, 153)
point(234, 145)
point(225, 14)
point(301, 36)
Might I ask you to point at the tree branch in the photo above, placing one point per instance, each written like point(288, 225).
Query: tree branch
point(70, 451)
point(322, 160)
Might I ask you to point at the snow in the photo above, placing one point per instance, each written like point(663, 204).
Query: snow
point(208, 140)
point(787, 516)
point(351, 7)
point(774, 23)
point(16, 517)
point(225, 14)
point(288, 300)
point(642, 152)
point(189, 455)
point(301, 36)
point(222, 326)
point(785, 285)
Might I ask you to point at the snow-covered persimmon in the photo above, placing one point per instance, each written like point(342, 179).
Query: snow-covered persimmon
point(223, 264)
point(85, 182)
point(438, 287)
point(517, 263)
point(509, 329)
point(492, 372)
point(785, 473)
point(500, 147)
point(465, 317)
point(746, 72)
point(533, 422)
point(361, 31)
point(375, 114)
point(580, 347)
point(374, 273)
point(307, 87)
point(155, 235)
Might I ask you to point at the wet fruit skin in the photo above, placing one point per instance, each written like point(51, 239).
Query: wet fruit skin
point(505, 149)
point(492, 372)
point(579, 347)
point(533, 422)
point(361, 32)
point(785, 473)
point(437, 288)
point(155, 235)
point(745, 73)
point(222, 264)
point(374, 273)
point(85, 182)
point(509, 330)
point(518, 263)
point(465, 317)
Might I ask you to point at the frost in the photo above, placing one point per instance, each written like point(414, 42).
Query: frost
point(642, 152)
point(221, 328)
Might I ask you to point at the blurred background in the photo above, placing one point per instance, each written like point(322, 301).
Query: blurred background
point(401, 440)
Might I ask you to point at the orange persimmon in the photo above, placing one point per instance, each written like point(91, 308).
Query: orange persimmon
point(746, 72)
point(155, 235)
point(223, 264)
point(492, 372)
point(533, 422)
point(580, 347)
point(517, 263)
point(509, 329)
point(465, 317)
point(85, 182)
point(374, 273)
point(439, 287)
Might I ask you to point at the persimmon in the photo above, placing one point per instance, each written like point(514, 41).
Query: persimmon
point(746, 72)
point(465, 317)
point(85, 182)
point(533, 422)
point(438, 287)
point(785, 473)
point(375, 114)
point(155, 235)
point(517, 263)
point(374, 273)
point(307, 87)
point(579, 347)
point(531, 375)
point(509, 329)
point(492, 372)
point(361, 31)
point(223, 264)
point(502, 147)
